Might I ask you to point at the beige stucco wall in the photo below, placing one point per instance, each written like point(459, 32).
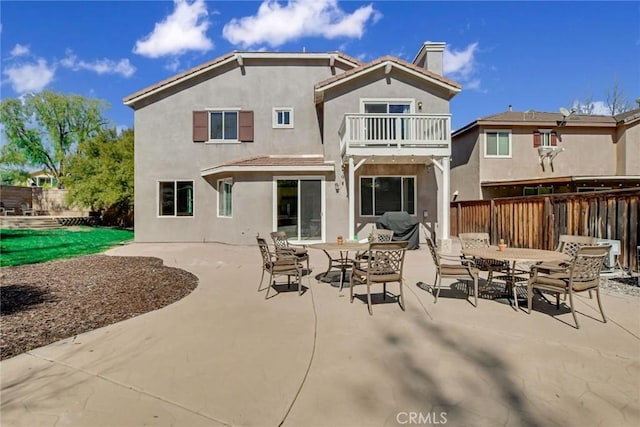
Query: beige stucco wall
point(465, 164)
point(377, 85)
point(165, 151)
point(586, 152)
point(628, 142)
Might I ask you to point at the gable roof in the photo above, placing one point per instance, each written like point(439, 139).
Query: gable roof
point(538, 118)
point(238, 57)
point(383, 62)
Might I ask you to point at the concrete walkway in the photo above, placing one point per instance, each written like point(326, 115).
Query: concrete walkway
point(226, 356)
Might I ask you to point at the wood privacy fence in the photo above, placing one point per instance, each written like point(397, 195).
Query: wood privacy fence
point(538, 221)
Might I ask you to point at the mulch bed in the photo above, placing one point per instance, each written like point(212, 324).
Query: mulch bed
point(44, 303)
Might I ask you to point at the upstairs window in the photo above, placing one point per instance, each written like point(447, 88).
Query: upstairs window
point(545, 138)
point(223, 126)
point(175, 198)
point(283, 118)
point(497, 144)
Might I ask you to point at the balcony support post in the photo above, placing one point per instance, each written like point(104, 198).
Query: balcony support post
point(444, 211)
point(352, 198)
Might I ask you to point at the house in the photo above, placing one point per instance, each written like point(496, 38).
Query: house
point(525, 153)
point(42, 178)
point(314, 144)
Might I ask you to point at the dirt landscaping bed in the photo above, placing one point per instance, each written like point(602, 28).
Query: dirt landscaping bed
point(47, 302)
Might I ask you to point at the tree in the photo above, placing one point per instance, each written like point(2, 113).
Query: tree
point(101, 173)
point(44, 129)
point(617, 100)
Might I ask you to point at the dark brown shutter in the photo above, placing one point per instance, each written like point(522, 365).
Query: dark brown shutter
point(200, 126)
point(536, 139)
point(554, 139)
point(245, 126)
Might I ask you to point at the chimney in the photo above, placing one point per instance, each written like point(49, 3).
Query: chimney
point(638, 102)
point(430, 57)
point(510, 107)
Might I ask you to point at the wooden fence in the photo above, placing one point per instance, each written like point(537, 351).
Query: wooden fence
point(538, 221)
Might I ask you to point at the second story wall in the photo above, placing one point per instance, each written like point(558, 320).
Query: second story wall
point(628, 149)
point(587, 151)
point(465, 167)
point(164, 125)
point(346, 99)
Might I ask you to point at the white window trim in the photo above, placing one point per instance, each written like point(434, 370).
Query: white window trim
point(542, 132)
point(274, 212)
point(410, 101)
point(498, 156)
point(415, 193)
point(275, 124)
point(175, 181)
point(222, 110)
point(219, 182)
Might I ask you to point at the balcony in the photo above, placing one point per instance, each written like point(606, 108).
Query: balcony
point(395, 135)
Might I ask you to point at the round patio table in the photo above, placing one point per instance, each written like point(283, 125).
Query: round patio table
point(343, 262)
point(513, 256)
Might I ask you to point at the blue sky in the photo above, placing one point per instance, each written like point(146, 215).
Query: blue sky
point(532, 55)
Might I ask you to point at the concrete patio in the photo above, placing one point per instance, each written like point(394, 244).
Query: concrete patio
point(226, 356)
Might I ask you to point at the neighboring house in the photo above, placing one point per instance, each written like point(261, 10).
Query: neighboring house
point(41, 179)
point(526, 153)
point(314, 144)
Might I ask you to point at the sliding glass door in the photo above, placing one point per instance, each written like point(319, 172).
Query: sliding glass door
point(299, 208)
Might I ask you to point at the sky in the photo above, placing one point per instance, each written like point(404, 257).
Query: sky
point(532, 55)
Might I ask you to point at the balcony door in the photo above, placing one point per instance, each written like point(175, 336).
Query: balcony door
point(382, 128)
point(299, 208)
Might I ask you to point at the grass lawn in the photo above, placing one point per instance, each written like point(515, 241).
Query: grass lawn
point(23, 246)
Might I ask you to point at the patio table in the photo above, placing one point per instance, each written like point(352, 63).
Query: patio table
point(343, 262)
point(513, 256)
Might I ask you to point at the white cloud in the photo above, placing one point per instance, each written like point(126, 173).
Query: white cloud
point(184, 30)
point(19, 50)
point(276, 24)
point(594, 107)
point(30, 77)
point(461, 65)
point(99, 66)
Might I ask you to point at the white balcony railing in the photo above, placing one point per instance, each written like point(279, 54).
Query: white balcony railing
point(396, 134)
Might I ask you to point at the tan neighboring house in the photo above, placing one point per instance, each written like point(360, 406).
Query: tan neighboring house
point(314, 144)
point(526, 153)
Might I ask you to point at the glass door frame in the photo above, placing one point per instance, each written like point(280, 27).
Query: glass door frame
point(323, 205)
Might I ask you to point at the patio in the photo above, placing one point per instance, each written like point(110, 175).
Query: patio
point(225, 356)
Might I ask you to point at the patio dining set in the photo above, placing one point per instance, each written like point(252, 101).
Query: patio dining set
point(573, 267)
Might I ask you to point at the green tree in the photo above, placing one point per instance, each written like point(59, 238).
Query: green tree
point(44, 129)
point(11, 176)
point(101, 172)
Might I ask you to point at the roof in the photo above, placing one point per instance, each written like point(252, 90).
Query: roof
point(385, 61)
point(539, 118)
point(273, 163)
point(564, 179)
point(628, 116)
point(234, 56)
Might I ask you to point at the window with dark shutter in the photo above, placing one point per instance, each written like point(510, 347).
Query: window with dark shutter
point(536, 139)
point(200, 126)
point(245, 126)
point(554, 139)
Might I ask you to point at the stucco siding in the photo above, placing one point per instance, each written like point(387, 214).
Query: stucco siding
point(585, 153)
point(165, 151)
point(465, 153)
